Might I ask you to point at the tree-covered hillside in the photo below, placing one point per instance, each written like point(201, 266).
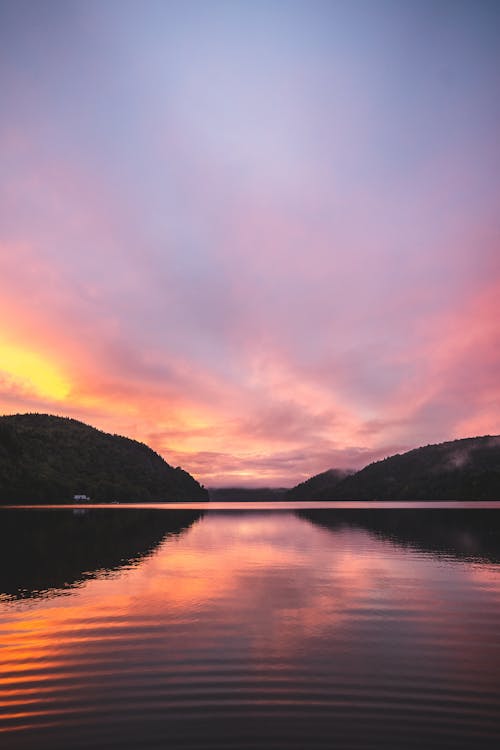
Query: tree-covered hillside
point(47, 459)
point(311, 488)
point(467, 469)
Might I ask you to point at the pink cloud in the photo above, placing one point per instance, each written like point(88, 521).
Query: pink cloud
point(263, 282)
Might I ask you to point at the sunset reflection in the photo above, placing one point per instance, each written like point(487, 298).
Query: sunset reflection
point(245, 610)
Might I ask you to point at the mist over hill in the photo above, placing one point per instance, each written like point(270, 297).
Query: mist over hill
point(246, 494)
point(48, 459)
point(467, 469)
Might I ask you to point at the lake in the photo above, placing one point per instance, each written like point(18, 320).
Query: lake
point(332, 625)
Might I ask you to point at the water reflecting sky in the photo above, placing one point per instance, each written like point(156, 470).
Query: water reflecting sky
point(257, 630)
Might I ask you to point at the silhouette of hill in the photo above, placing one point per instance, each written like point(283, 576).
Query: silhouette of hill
point(309, 489)
point(47, 459)
point(467, 469)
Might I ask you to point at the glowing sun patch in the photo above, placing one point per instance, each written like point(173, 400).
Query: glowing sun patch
point(32, 372)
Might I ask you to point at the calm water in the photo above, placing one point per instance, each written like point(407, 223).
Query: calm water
point(291, 628)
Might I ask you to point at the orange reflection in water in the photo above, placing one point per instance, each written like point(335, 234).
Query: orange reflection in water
point(256, 603)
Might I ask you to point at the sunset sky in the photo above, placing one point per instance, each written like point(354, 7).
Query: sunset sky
point(261, 236)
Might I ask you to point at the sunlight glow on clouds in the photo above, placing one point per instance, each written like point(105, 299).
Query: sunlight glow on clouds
point(264, 238)
point(30, 373)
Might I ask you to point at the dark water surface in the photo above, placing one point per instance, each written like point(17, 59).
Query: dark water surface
point(305, 628)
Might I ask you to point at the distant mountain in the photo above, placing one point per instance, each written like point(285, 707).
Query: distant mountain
point(467, 469)
point(47, 459)
point(246, 494)
point(309, 489)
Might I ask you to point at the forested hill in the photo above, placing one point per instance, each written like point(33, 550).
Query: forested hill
point(47, 459)
point(312, 487)
point(467, 469)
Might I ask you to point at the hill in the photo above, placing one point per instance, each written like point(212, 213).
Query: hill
point(47, 459)
point(309, 489)
point(467, 469)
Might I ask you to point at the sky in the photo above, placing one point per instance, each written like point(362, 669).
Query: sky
point(262, 237)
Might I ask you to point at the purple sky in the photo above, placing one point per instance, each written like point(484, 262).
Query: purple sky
point(264, 237)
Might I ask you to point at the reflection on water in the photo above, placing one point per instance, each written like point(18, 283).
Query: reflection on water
point(42, 550)
point(464, 533)
point(257, 630)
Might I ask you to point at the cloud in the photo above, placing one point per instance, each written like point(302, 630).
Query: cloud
point(244, 266)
